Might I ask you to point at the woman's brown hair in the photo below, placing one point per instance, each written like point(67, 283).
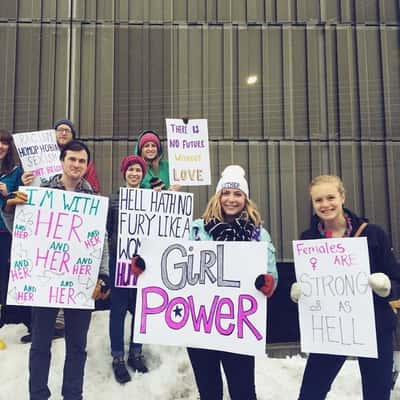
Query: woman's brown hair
point(11, 159)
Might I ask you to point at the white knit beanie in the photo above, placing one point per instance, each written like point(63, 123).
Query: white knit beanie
point(233, 177)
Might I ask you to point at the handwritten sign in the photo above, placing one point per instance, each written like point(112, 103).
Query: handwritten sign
point(188, 152)
point(202, 294)
point(57, 247)
point(39, 153)
point(336, 307)
point(148, 213)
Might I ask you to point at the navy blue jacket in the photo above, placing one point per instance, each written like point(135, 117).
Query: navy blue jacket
point(381, 259)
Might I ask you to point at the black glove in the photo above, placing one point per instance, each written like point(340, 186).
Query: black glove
point(138, 265)
point(156, 182)
point(265, 283)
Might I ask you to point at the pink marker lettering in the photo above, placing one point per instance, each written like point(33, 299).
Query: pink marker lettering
point(146, 310)
point(173, 307)
point(243, 314)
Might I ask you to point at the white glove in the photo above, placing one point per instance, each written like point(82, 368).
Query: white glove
point(380, 284)
point(295, 292)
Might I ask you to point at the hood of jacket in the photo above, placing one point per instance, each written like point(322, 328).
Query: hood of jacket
point(136, 150)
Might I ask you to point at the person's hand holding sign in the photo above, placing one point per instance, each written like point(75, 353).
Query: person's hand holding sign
point(27, 178)
point(102, 289)
point(265, 283)
point(295, 292)
point(138, 265)
point(380, 284)
point(13, 199)
point(3, 189)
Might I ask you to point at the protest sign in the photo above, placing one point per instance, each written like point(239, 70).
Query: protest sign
point(336, 310)
point(202, 294)
point(57, 247)
point(148, 213)
point(188, 152)
point(39, 153)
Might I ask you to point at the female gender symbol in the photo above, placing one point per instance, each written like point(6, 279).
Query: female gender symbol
point(313, 262)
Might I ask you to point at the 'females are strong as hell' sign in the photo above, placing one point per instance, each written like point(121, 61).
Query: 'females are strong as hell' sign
point(336, 308)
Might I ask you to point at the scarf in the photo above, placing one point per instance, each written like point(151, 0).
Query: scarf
point(239, 229)
point(327, 234)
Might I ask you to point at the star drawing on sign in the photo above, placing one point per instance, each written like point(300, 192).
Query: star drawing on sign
point(178, 311)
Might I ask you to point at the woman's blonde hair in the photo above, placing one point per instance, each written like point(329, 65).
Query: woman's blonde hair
point(214, 210)
point(334, 179)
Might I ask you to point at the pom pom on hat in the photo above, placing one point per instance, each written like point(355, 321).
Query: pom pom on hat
point(233, 177)
point(129, 160)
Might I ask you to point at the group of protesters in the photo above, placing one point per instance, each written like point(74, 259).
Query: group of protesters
point(230, 215)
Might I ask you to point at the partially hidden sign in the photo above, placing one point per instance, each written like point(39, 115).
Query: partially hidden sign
point(57, 247)
point(336, 308)
point(39, 153)
point(145, 213)
point(202, 294)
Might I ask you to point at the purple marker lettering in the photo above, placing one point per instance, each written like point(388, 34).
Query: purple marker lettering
point(220, 315)
point(40, 222)
point(170, 309)
point(201, 316)
point(243, 314)
point(77, 222)
point(146, 310)
point(59, 225)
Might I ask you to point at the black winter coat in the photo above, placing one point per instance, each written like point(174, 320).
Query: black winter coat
point(381, 259)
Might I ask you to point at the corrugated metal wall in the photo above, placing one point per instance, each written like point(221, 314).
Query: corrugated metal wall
point(326, 96)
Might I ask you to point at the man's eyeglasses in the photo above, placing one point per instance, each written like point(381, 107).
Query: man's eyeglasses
point(61, 130)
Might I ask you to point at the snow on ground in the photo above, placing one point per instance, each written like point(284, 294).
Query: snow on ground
point(170, 375)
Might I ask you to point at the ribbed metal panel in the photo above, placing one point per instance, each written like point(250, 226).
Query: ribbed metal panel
point(8, 38)
point(205, 11)
point(291, 89)
point(310, 82)
point(27, 77)
point(390, 58)
point(375, 185)
point(393, 190)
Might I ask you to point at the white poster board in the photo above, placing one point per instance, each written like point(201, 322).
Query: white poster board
point(202, 294)
point(336, 308)
point(39, 153)
point(188, 152)
point(148, 213)
point(57, 246)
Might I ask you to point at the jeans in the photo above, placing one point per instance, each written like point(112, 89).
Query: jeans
point(238, 368)
point(376, 374)
point(76, 328)
point(122, 300)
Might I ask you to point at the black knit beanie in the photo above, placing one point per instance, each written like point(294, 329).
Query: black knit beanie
point(66, 122)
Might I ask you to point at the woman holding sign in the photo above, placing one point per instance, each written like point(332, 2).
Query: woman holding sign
point(332, 220)
point(231, 215)
point(133, 169)
point(149, 147)
point(10, 179)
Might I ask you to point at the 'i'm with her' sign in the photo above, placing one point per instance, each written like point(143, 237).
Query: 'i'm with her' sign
point(57, 246)
point(202, 294)
point(336, 308)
